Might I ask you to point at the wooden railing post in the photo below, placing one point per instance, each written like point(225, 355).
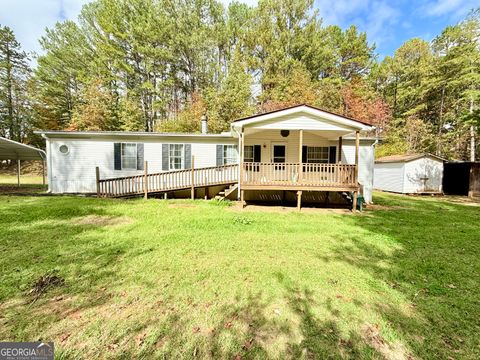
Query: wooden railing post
point(97, 176)
point(193, 179)
point(145, 179)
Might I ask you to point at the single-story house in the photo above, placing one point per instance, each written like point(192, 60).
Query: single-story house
point(296, 150)
point(408, 174)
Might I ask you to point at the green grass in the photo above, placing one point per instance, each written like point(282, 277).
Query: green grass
point(24, 179)
point(182, 279)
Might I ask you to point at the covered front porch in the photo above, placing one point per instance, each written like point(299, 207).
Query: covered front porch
point(299, 150)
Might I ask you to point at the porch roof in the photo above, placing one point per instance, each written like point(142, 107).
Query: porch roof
point(302, 117)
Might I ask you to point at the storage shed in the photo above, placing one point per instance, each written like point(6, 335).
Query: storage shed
point(412, 173)
point(462, 178)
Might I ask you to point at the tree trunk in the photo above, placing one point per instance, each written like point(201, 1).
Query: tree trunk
point(472, 135)
point(440, 124)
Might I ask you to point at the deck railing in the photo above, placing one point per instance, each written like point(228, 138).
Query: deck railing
point(167, 181)
point(283, 175)
point(299, 174)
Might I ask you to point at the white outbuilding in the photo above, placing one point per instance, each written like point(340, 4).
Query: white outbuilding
point(409, 174)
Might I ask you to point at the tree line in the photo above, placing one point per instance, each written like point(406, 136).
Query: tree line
point(159, 65)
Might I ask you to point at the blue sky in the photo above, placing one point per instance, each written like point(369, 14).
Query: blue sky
point(387, 23)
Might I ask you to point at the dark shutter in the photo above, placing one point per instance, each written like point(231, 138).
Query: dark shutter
point(257, 153)
point(219, 155)
point(117, 156)
point(187, 156)
point(140, 156)
point(332, 155)
point(304, 154)
point(165, 157)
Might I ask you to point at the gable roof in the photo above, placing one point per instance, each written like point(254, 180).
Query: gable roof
point(308, 109)
point(406, 158)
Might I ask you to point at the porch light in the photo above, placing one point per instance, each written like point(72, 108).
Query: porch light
point(284, 133)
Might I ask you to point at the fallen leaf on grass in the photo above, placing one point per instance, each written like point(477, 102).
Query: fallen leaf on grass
point(247, 345)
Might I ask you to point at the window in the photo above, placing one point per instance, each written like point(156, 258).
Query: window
point(229, 154)
point(175, 156)
point(317, 155)
point(129, 156)
point(63, 149)
point(248, 153)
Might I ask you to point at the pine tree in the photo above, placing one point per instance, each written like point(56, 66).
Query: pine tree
point(15, 116)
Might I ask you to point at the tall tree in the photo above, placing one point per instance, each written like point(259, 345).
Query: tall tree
point(15, 115)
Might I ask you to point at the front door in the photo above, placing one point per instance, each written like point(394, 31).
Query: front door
point(279, 156)
point(279, 152)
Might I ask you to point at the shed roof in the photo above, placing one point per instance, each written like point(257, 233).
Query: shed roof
point(406, 158)
point(13, 150)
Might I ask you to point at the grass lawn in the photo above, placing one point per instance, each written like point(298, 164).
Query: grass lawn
point(24, 179)
point(183, 279)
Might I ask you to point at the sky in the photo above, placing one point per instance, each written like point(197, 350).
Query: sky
point(388, 23)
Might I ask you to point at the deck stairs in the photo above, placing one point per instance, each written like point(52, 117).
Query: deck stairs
point(227, 192)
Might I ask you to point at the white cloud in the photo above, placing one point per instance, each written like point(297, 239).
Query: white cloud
point(452, 8)
point(29, 18)
point(375, 17)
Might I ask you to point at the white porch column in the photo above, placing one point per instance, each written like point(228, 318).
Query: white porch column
point(357, 145)
point(300, 148)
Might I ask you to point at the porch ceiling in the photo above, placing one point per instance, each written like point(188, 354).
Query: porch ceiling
point(324, 134)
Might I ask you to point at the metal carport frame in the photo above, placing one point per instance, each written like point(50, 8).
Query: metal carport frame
point(13, 150)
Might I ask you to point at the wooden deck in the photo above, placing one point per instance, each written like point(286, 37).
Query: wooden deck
point(298, 176)
point(254, 176)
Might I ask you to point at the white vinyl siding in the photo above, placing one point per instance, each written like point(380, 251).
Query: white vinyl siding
point(389, 177)
point(75, 172)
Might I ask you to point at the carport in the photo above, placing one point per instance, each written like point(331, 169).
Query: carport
point(12, 150)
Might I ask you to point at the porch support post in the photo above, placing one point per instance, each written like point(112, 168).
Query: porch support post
point(241, 142)
point(340, 140)
point(300, 147)
point(354, 204)
point(357, 145)
point(145, 180)
point(97, 177)
point(43, 171)
point(242, 198)
point(18, 173)
point(192, 189)
point(299, 200)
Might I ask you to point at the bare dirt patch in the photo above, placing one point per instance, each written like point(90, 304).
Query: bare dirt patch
point(383, 207)
point(102, 220)
point(287, 209)
point(371, 335)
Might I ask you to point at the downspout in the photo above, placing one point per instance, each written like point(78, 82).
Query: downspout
point(239, 159)
point(48, 158)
